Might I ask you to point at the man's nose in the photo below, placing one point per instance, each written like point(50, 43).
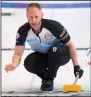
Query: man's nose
point(33, 20)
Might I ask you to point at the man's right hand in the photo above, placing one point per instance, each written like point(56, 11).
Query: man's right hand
point(9, 67)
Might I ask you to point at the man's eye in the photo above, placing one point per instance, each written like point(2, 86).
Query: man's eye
point(36, 17)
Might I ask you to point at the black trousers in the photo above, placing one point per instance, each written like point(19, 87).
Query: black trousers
point(46, 65)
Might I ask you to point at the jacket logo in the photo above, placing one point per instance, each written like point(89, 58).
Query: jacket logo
point(48, 36)
point(54, 49)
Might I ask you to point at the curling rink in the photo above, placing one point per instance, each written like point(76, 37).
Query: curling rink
point(22, 83)
point(75, 16)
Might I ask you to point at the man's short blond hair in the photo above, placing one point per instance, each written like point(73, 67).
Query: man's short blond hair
point(37, 5)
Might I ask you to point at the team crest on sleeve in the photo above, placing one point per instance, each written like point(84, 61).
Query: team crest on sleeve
point(17, 36)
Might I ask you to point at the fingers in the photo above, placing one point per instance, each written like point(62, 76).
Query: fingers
point(6, 69)
point(81, 73)
point(9, 67)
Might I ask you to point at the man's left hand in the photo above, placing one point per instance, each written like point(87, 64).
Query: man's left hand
point(79, 70)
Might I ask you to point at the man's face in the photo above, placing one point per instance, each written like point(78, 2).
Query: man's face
point(34, 16)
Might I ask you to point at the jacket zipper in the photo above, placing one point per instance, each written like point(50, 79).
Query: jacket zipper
point(39, 37)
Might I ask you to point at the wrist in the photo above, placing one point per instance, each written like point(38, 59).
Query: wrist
point(76, 67)
point(15, 65)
